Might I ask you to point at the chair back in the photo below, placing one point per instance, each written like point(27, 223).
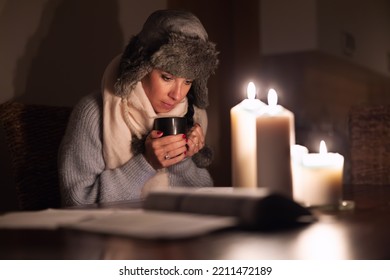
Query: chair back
point(33, 134)
point(369, 132)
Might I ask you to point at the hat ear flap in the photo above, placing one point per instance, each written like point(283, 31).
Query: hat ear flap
point(200, 92)
point(127, 82)
point(134, 65)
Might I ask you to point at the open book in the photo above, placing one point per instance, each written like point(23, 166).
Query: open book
point(254, 208)
point(172, 214)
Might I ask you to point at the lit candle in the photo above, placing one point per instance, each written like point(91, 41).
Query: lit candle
point(273, 136)
point(323, 177)
point(243, 136)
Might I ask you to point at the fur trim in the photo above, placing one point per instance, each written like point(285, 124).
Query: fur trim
point(134, 65)
point(204, 157)
point(186, 57)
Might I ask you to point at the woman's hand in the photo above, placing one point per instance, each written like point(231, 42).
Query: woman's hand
point(165, 151)
point(195, 140)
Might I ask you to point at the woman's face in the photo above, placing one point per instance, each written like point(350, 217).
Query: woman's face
point(164, 90)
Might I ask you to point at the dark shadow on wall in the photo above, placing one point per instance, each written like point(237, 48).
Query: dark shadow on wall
point(65, 59)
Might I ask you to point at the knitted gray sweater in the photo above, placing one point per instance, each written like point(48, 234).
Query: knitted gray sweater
point(83, 177)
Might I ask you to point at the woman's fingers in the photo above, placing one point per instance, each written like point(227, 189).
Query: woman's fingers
point(195, 140)
point(165, 151)
point(162, 152)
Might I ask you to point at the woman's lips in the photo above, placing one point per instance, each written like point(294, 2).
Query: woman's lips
point(168, 106)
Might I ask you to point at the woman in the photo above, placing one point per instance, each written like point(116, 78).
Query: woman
point(110, 152)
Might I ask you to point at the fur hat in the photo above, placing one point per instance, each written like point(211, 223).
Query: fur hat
point(176, 42)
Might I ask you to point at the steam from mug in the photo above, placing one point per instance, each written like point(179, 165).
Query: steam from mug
point(171, 125)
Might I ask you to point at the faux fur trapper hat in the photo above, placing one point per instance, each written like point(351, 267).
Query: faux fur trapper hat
point(175, 42)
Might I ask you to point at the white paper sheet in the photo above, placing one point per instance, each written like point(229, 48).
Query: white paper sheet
point(49, 218)
point(133, 222)
point(156, 224)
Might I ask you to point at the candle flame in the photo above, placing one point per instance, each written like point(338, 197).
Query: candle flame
point(323, 149)
point(272, 97)
point(251, 90)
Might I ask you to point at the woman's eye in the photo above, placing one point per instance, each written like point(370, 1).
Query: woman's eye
point(189, 82)
point(166, 77)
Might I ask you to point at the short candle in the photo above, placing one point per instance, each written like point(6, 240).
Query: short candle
point(323, 177)
point(297, 152)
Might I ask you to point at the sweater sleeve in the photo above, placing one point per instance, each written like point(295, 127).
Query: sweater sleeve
point(187, 174)
point(83, 177)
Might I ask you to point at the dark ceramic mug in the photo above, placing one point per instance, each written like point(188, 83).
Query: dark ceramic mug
point(171, 125)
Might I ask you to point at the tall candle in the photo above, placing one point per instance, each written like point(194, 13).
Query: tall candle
point(323, 177)
point(243, 137)
point(273, 134)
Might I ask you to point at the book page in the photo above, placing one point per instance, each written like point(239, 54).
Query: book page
point(128, 222)
point(156, 224)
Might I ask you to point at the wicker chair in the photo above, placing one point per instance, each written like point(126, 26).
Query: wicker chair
point(369, 132)
point(33, 134)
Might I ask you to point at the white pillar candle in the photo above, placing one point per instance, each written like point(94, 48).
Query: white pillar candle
point(323, 177)
point(274, 132)
point(297, 152)
point(243, 136)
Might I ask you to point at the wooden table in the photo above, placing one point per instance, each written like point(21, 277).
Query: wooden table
point(362, 233)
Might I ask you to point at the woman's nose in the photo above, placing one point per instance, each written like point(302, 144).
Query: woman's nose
point(176, 92)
